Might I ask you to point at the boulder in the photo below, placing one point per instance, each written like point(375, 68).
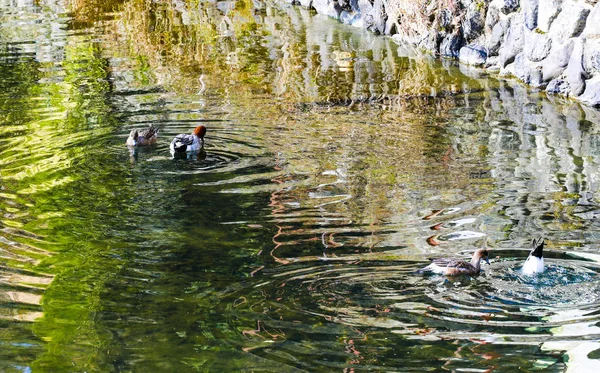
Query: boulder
point(530, 13)
point(537, 46)
point(450, 46)
point(513, 41)
point(592, 29)
point(508, 6)
point(475, 55)
point(379, 17)
point(529, 73)
point(497, 36)
point(591, 56)
point(570, 22)
point(558, 87)
point(365, 8)
point(547, 13)
point(575, 73)
point(306, 3)
point(491, 18)
point(320, 6)
point(473, 23)
point(591, 95)
point(557, 60)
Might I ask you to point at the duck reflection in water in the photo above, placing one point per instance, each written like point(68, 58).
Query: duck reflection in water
point(457, 266)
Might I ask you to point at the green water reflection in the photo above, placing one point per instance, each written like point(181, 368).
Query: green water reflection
point(334, 165)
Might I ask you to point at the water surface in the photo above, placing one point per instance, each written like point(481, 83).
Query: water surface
point(335, 164)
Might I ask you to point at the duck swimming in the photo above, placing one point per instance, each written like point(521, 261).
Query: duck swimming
point(455, 266)
point(146, 136)
point(183, 143)
point(535, 260)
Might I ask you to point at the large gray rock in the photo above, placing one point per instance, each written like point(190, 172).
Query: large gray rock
point(575, 73)
point(537, 46)
point(591, 95)
point(497, 36)
point(491, 18)
point(306, 3)
point(379, 17)
point(570, 22)
point(508, 6)
point(320, 6)
point(547, 13)
point(529, 73)
point(473, 23)
point(475, 55)
point(451, 45)
point(592, 29)
point(591, 56)
point(558, 87)
point(513, 41)
point(530, 13)
point(557, 60)
point(365, 8)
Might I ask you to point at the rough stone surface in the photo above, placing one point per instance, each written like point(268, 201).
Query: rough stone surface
point(592, 29)
point(473, 23)
point(591, 95)
point(513, 41)
point(492, 18)
point(306, 3)
point(537, 46)
point(509, 6)
point(591, 56)
point(575, 74)
point(451, 45)
point(570, 21)
point(530, 13)
point(379, 17)
point(558, 87)
point(320, 6)
point(497, 36)
point(475, 55)
point(557, 60)
point(547, 13)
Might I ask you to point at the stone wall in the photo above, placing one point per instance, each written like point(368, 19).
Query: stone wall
point(548, 44)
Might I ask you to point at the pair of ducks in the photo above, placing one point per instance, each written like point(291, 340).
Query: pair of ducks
point(182, 143)
point(452, 267)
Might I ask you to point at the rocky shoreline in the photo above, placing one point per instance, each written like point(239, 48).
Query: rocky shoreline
point(552, 45)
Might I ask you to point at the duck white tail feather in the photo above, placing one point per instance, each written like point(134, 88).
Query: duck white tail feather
point(533, 265)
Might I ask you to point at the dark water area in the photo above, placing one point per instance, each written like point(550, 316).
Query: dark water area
point(335, 165)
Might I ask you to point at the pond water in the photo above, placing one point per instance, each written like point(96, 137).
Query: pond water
point(335, 164)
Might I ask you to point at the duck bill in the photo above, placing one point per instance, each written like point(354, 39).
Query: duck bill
point(487, 260)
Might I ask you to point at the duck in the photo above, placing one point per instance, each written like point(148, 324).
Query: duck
point(457, 266)
point(183, 143)
point(145, 136)
point(535, 261)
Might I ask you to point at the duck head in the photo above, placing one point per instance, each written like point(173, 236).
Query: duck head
point(200, 131)
point(482, 254)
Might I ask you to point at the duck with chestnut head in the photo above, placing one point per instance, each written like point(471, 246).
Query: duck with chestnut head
point(457, 266)
point(193, 142)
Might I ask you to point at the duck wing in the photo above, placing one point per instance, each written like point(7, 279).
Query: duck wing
point(452, 263)
point(184, 139)
point(148, 133)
